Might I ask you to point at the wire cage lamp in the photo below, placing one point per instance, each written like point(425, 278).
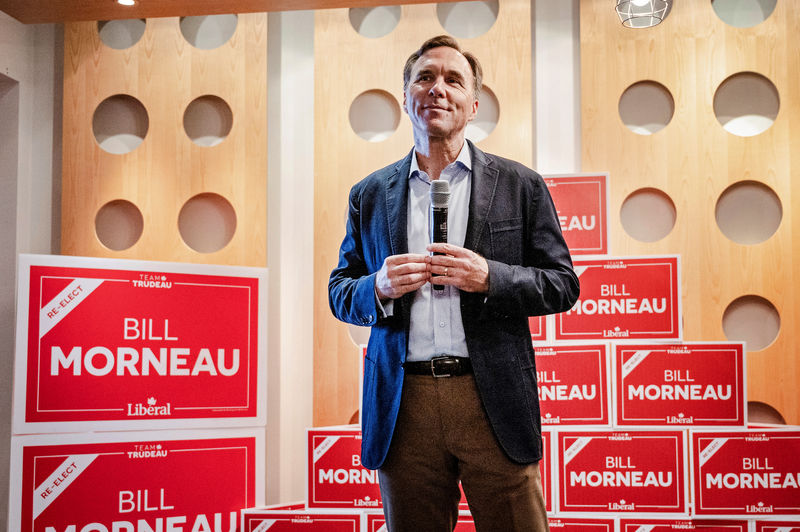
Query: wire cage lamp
point(641, 13)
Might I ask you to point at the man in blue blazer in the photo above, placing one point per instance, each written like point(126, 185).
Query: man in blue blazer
point(450, 388)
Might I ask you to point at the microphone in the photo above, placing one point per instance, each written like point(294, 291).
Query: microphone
point(440, 197)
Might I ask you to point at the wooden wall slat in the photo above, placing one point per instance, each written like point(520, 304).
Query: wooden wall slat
point(165, 73)
point(694, 160)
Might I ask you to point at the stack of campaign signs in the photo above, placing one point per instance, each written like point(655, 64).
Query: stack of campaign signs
point(642, 431)
point(139, 396)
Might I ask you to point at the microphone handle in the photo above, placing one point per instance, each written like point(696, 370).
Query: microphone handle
point(438, 225)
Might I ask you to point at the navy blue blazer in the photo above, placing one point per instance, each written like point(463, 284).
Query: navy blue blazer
point(513, 224)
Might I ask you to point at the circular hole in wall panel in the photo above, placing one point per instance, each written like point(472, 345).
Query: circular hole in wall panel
point(743, 13)
point(467, 20)
point(118, 225)
point(751, 319)
point(648, 215)
point(207, 222)
point(207, 120)
point(646, 107)
point(120, 124)
point(374, 22)
point(486, 119)
point(359, 335)
point(758, 412)
point(208, 32)
point(374, 115)
point(748, 212)
point(121, 34)
point(746, 104)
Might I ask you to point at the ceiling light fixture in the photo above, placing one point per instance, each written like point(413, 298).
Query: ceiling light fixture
point(126, 2)
point(641, 13)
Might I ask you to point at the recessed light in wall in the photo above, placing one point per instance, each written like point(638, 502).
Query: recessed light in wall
point(126, 2)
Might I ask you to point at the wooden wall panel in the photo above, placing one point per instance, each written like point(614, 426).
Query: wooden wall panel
point(49, 11)
point(348, 64)
point(694, 160)
point(165, 73)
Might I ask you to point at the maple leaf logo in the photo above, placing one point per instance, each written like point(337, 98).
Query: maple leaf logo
point(151, 401)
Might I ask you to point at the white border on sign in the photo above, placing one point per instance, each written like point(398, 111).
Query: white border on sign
point(604, 212)
point(677, 327)
point(609, 383)
point(735, 432)
point(18, 444)
point(555, 465)
point(677, 513)
point(20, 426)
point(781, 525)
point(643, 520)
point(547, 444)
point(643, 425)
point(272, 517)
point(370, 518)
point(338, 432)
point(544, 321)
point(603, 523)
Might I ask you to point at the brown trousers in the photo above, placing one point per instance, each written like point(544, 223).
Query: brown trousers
point(442, 436)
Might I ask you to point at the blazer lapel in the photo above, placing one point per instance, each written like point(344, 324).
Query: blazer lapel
point(484, 186)
point(397, 222)
point(397, 206)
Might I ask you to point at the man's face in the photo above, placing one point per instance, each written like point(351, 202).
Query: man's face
point(440, 97)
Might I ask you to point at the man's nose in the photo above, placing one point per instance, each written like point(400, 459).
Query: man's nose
point(437, 88)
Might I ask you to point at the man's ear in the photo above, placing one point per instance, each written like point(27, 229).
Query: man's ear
point(474, 110)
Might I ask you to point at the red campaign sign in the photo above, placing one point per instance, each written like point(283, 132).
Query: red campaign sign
point(261, 520)
point(622, 472)
point(582, 205)
point(377, 523)
point(746, 472)
point(701, 525)
point(538, 327)
point(336, 478)
point(777, 526)
point(573, 384)
point(544, 470)
point(580, 524)
point(294, 506)
point(125, 481)
point(114, 344)
point(691, 384)
point(624, 298)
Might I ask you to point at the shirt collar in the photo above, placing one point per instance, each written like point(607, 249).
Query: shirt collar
point(464, 157)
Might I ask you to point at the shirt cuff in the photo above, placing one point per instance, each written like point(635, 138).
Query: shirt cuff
point(384, 310)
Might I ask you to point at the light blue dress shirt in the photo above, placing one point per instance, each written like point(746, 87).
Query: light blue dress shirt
point(436, 326)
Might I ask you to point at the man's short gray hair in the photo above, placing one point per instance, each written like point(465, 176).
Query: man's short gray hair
point(436, 42)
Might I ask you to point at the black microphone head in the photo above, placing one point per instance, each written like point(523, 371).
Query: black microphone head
point(440, 193)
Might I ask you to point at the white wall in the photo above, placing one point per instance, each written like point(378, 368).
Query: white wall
point(290, 251)
point(9, 124)
point(557, 83)
point(28, 102)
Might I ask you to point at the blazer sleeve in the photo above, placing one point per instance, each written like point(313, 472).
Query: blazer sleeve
point(543, 280)
point(351, 287)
